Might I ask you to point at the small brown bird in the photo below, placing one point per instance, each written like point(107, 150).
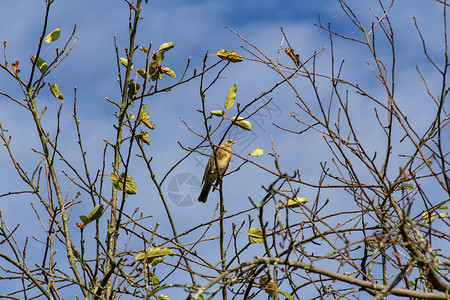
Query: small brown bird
point(223, 157)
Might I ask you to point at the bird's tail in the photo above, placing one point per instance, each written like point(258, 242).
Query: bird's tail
point(204, 193)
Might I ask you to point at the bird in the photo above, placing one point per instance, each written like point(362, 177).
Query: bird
point(223, 157)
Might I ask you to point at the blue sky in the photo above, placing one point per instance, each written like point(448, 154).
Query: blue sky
point(196, 27)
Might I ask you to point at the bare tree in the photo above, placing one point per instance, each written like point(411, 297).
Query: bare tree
point(390, 237)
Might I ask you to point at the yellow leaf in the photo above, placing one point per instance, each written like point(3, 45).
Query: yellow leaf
point(124, 62)
point(166, 46)
point(168, 71)
point(231, 96)
point(257, 152)
point(295, 58)
point(244, 124)
point(230, 56)
point(154, 255)
point(144, 118)
point(218, 113)
point(55, 91)
point(296, 202)
point(255, 235)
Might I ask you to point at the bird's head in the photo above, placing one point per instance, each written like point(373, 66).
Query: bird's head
point(227, 143)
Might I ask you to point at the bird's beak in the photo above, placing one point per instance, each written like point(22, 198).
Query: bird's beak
point(234, 142)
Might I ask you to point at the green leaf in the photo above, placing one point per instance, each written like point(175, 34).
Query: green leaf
point(244, 124)
point(155, 72)
point(133, 88)
point(168, 71)
point(131, 187)
point(154, 255)
point(144, 49)
point(162, 297)
point(166, 46)
point(55, 91)
point(144, 117)
point(428, 218)
point(124, 62)
point(40, 63)
point(157, 58)
point(287, 295)
point(155, 281)
point(268, 285)
point(230, 56)
point(84, 219)
point(255, 235)
point(405, 186)
point(94, 214)
point(231, 96)
point(53, 36)
point(142, 73)
point(218, 113)
point(144, 137)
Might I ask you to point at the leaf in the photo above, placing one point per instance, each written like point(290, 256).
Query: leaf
point(157, 58)
point(268, 285)
point(426, 217)
point(124, 62)
point(168, 71)
point(287, 295)
point(144, 117)
point(296, 202)
point(244, 124)
point(163, 297)
point(15, 66)
point(144, 49)
point(142, 73)
point(155, 281)
point(230, 56)
point(295, 58)
point(255, 235)
point(257, 152)
point(166, 46)
point(133, 88)
point(144, 137)
point(84, 219)
point(154, 255)
point(231, 96)
point(218, 113)
point(155, 72)
point(55, 91)
point(94, 214)
point(53, 36)
point(405, 186)
point(131, 187)
point(40, 63)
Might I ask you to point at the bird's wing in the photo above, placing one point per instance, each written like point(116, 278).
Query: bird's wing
point(208, 167)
